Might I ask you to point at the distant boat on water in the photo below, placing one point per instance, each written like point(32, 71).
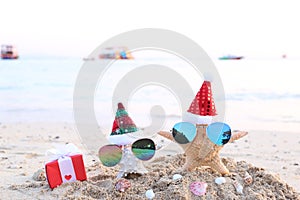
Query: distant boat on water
point(9, 52)
point(88, 59)
point(115, 53)
point(231, 57)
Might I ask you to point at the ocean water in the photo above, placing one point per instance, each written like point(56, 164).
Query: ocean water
point(261, 94)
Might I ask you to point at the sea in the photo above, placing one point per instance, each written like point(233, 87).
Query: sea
point(260, 93)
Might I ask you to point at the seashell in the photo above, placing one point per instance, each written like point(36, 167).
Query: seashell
point(198, 188)
point(247, 178)
point(202, 152)
point(220, 180)
point(130, 164)
point(39, 175)
point(176, 177)
point(122, 185)
point(238, 187)
point(150, 194)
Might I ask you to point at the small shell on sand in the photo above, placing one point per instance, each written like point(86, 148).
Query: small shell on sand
point(176, 177)
point(150, 194)
point(220, 180)
point(122, 185)
point(238, 187)
point(39, 175)
point(248, 178)
point(198, 188)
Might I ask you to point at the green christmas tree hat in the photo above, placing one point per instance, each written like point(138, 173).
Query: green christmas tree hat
point(123, 127)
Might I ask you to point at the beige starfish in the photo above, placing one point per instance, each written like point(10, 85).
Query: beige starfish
point(202, 152)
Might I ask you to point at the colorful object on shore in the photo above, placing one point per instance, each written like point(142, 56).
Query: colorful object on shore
point(220, 180)
point(122, 185)
point(202, 152)
point(110, 155)
point(115, 53)
point(202, 108)
point(203, 103)
point(150, 194)
point(198, 188)
point(247, 178)
point(184, 132)
point(218, 133)
point(204, 149)
point(231, 57)
point(9, 52)
point(238, 187)
point(65, 165)
point(127, 148)
point(143, 149)
point(123, 129)
point(176, 177)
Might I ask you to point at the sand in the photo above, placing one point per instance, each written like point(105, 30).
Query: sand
point(271, 158)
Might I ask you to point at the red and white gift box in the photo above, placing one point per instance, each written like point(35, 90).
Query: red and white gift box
point(66, 165)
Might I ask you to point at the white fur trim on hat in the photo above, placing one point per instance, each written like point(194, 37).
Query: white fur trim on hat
point(196, 119)
point(125, 139)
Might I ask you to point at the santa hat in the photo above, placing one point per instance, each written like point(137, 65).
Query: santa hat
point(123, 127)
point(202, 108)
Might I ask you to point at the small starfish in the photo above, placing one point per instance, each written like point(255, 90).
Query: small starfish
point(202, 152)
point(130, 164)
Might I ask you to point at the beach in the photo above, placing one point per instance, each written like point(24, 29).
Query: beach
point(65, 67)
point(23, 147)
point(38, 114)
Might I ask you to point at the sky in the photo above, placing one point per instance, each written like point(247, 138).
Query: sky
point(76, 28)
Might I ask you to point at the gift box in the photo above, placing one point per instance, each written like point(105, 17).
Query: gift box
point(66, 166)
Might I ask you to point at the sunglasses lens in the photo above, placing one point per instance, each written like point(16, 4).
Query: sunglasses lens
point(184, 132)
point(219, 133)
point(143, 149)
point(110, 155)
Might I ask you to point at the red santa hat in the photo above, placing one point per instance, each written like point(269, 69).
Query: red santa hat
point(123, 128)
point(203, 107)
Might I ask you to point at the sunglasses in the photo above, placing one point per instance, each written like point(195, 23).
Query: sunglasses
point(219, 133)
point(110, 155)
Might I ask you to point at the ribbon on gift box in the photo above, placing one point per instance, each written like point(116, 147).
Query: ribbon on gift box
point(62, 155)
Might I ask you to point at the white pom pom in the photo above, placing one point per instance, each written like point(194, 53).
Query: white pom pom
point(208, 77)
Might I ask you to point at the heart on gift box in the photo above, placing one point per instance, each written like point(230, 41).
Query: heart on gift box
point(68, 177)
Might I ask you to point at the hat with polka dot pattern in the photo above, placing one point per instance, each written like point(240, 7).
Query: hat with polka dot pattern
point(203, 104)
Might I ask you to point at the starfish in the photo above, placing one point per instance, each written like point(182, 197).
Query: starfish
point(202, 152)
point(129, 164)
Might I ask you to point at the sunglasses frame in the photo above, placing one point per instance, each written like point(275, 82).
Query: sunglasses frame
point(224, 141)
point(123, 147)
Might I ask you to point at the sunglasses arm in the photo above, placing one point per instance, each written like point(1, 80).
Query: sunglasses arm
point(167, 135)
point(157, 147)
point(235, 135)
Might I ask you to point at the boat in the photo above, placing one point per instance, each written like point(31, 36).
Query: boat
point(115, 53)
point(231, 57)
point(9, 52)
point(88, 59)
